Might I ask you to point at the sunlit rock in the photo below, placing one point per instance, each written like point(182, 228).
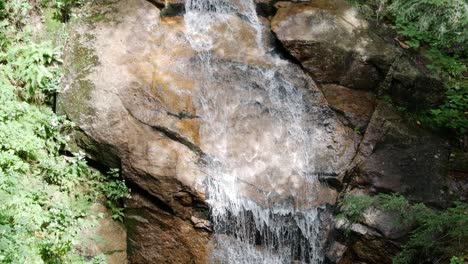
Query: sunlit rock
point(333, 43)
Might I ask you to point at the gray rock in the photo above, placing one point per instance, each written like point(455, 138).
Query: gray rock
point(400, 157)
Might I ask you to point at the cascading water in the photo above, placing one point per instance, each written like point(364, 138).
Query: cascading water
point(261, 183)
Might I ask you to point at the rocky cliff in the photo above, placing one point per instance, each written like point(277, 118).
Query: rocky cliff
point(133, 86)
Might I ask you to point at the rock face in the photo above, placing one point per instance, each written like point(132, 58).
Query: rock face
point(130, 117)
point(353, 106)
point(108, 238)
point(133, 87)
point(394, 157)
point(164, 98)
point(398, 157)
point(332, 43)
point(336, 46)
point(341, 52)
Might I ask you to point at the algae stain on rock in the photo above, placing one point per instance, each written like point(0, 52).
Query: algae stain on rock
point(81, 62)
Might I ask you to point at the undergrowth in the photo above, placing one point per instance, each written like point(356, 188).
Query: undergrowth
point(45, 195)
point(435, 234)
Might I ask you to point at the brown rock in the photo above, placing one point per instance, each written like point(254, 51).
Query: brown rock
point(157, 236)
point(332, 43)
point(368, 246)
point(131, 116)
point(108, 237)
point(355, 107)
point(133, 90)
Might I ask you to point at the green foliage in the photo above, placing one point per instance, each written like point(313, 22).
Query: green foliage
point(34, 70)
point(457, 260)
point(115, 190)
point(440, 23)
point(39, 220)
point(44, 195)
point(436, 233)
point(452, 114)
point(64, 8)
point(355, 206)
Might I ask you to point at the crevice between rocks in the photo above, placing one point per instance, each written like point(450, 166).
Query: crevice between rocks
point(180, 139)
point(153, 199)
point(171, 135)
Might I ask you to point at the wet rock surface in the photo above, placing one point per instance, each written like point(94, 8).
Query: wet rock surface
point(135, 104)
point(136, 122)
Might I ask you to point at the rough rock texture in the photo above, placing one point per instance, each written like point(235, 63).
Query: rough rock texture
point(399, 157)
point(354, 107)
point(133, 102)
point(411, 84)
point(365, 244)
point(105, 93)
point(130, 93)
point(394, 156)
point(332, 43)
point(159, 235)
point(108, 237)
point(335, 45)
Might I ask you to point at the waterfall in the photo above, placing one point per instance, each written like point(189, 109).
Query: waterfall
point(257, 132)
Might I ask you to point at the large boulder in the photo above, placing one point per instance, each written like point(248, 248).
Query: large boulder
point(134, 88)
point(335, 45)
point(332, 43)
point(128, 118)
point(397, 156)
point(354, 107)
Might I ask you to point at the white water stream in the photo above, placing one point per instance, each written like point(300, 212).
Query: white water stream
point(261, 184)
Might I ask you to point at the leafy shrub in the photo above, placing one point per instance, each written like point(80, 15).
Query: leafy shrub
point(457, 260)
point(436, 233)
point(34, 71)
point(442, 23)
point(64, 8)
point(439, 23)
point(452, 114)
point(114, 189)
point(44, 195)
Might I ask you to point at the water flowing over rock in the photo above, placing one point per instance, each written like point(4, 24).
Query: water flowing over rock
point(211, 128)
point(266, 131)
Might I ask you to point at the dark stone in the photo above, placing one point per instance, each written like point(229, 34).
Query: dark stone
point(458, 175)
point(414, 87)
point(177, 242)
point(396, 156)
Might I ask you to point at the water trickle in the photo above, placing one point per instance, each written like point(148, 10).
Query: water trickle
point(261, 147)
